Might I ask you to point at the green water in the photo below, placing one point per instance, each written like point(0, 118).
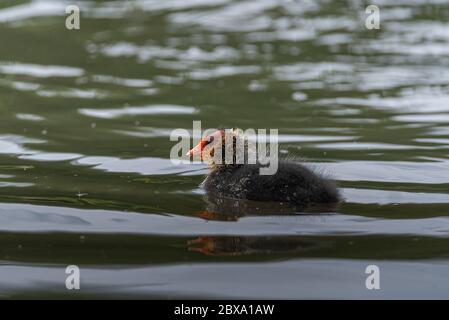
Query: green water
point(86, 117)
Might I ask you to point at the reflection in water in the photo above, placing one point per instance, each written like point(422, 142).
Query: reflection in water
point(236, 246)
point(228, 209)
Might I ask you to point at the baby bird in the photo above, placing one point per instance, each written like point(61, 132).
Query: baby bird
point(292, 183)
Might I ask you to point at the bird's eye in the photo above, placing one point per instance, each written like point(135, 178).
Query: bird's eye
point(210, 139)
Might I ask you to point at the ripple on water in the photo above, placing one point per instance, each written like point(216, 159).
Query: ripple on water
point(12, 184)
point(433, 140)
point(31, 10)
point(144, 166)
point(189, 57)
point(9, 184)
point(236, 16)
point(45, 218)
point(222, 71)
point(374, 196)
point(430, 118)
point(40, 71)
point(146, 132)
point(29, 117)
point(133, 83)
point(421, 99)
point(50, 156)
point(316, 278)
point(370, 146)
point(133, 111)
point(389, 171)
point(74, 93)
point(14, 145)
point(24, 86)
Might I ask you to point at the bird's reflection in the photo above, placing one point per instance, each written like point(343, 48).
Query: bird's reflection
point(242, 245)
point(227, 209)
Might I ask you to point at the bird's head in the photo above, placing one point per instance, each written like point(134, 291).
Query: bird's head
point(219, 147)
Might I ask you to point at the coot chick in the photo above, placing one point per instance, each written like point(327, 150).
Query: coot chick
point(292, 183)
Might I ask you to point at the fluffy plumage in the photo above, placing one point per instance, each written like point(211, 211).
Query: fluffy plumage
point(292, 183)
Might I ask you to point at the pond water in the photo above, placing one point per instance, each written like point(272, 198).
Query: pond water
point(86, 116)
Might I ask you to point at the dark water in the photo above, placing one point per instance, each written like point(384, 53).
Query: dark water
point(86, 115)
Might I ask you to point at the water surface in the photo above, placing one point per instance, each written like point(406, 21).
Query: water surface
point(86, 116)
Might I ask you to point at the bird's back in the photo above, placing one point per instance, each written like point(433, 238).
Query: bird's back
point(293, 183)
